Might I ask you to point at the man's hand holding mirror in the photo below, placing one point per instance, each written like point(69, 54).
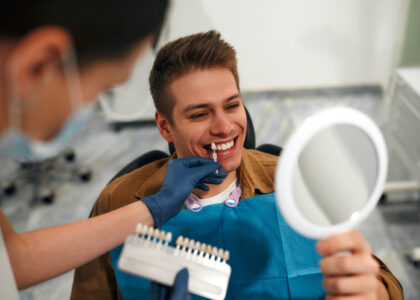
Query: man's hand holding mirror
point(329, 178)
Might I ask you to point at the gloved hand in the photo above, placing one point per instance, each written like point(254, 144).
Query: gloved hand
point(178, 292)
point(182, 176)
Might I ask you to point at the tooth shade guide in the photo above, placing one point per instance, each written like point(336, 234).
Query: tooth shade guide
point(155, 260)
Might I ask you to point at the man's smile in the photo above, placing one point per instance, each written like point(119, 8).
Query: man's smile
point(223, 148)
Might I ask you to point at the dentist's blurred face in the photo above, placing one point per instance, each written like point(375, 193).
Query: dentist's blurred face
point(208, 109)
point(50, 93)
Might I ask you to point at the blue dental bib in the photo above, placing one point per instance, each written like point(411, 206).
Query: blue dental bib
point(268, 259)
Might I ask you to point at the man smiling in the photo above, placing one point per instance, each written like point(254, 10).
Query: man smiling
point(195, 86)
point(208, 110)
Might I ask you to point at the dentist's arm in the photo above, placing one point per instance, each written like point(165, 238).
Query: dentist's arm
point(42, 254)
point(39, 255)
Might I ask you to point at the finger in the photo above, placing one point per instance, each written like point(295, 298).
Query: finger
point(204, 171)
point(220, 174)
point(211, 180)
point(195, 161)
point(180, 290)
point(348, 241)
point(348, 285)
point(158, 291)
point(353, 264)
point(201, 186)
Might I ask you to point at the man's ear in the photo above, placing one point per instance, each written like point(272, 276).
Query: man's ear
point(36, 58)
point(164, 126)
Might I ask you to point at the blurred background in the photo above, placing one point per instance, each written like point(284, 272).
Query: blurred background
point(295, 57)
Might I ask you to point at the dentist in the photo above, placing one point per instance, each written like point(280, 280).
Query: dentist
point(42, 84)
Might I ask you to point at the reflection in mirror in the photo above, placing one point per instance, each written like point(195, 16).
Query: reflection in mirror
point(335, 175)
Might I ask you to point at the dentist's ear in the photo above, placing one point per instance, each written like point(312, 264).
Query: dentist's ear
point(35, 58)
point(164, 126)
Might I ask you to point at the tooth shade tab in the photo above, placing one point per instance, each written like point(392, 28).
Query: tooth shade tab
point(213, 146)
point(168, 237)
point(203, 247)
point(179, 240)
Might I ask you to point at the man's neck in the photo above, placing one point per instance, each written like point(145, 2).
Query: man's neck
point(216, 188)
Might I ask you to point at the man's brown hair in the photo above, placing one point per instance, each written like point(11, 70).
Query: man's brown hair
point(194, 52)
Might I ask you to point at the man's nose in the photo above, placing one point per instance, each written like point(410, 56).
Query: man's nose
point(221, 125)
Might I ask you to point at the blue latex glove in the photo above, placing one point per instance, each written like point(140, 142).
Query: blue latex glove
point(178, 292)
point(182, 176)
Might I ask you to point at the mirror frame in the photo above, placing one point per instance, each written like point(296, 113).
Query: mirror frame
point(289, 158)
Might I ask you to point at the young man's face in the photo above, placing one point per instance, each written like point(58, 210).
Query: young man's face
point(208, 109)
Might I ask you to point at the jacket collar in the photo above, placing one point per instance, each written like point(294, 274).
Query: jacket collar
point(253, 175)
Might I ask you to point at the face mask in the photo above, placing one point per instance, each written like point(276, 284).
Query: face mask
point(42, 150)
point(15, 144)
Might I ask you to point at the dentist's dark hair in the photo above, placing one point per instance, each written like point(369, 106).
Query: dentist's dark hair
point(194, 52)
point(101, 29)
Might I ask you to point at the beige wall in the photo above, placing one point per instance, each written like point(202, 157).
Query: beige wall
point(411, 51)
point(293, 44)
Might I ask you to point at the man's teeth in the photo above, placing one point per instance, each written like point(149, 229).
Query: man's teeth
point(221, 147)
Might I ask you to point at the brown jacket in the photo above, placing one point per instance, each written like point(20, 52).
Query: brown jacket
point(96, 279)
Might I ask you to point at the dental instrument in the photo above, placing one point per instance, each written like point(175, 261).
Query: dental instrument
point(214, 148)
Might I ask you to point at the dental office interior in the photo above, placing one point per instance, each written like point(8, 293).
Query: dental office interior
point(295, 58)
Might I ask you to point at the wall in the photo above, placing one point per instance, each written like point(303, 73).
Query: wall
point(411, 52)
point(301, 43)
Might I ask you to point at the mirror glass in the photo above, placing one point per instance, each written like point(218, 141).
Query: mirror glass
point(331, 172)
point(334, 175)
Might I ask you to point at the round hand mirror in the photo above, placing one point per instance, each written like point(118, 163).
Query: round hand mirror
point(331, 172)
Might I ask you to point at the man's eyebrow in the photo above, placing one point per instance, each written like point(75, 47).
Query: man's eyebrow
point(233, 97)
point(192, 107)
point(205, 105)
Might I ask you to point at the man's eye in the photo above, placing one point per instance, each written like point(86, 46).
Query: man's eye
point(232, 106)
point(198, 116)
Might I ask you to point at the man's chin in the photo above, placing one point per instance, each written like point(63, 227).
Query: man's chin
point(229, 167)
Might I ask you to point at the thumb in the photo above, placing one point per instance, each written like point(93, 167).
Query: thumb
point(205, 170)
point(180, 290)
point(195, 161)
